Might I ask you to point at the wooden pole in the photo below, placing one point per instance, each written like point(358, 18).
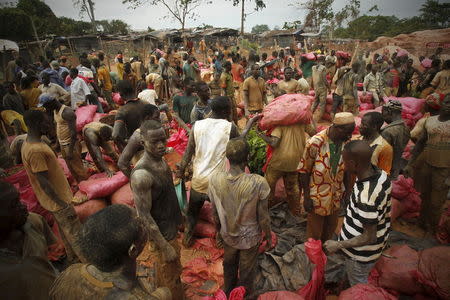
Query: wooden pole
point(36, 36)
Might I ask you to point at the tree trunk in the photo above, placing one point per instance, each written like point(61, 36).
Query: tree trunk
point(242, 17)
point(91, 9)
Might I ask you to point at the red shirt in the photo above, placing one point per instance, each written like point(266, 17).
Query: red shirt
point(237, 70)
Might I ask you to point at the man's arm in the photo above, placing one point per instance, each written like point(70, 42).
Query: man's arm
point(324, 79)
point(63, 94)
point(71, 119)
point(133, 146)
point(190, 150)
point(46, 185)
point(273, 141)
point(366, 83)
point(250, 124)
point(91, 140)
point(418, 148)
point(177, 117)
point(306, 168)
point(245, 95)
point(141, 185)
point(355, 88)
point(368, 237)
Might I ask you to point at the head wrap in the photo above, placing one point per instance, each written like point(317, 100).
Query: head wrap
point(435, 100)
point(343, 118)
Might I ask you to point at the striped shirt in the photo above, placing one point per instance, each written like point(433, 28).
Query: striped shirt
point(370, 204)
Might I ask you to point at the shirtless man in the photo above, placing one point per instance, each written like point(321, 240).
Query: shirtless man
point(98, 135)
point(131, 152)
point(157, 206)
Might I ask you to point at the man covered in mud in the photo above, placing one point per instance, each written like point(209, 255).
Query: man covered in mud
point(157, 205)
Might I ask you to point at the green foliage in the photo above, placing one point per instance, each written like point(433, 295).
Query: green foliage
point(114, 26)
point(259, 4)
point(246, 44)
point(318, 11)
point(36, 8)
point(292, 25)
point(15, 25)
point(70, 27)
point(257, 156)
point(149, 29)
point(257, 29)
point(435, 14)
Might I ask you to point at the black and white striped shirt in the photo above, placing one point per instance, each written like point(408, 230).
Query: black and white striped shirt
point(370, 204)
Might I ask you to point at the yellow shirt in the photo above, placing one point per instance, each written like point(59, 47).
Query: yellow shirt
point(103, 75)
point(31, 97)
point(120, 70)
point(287, 155)
point(290, 87)
point(256, 90)
point(442, 82)
point(39, 157)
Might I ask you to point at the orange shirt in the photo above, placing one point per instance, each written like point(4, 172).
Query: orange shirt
point(237, 71)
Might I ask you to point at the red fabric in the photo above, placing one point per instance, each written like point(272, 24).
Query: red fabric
point(366, 292)
point(411, 109)
point(315, 289)
point(403, 190)
point(402, 187)
point(178, 141)
point(117, 99)
point(85, 115)
point(100, 186)
point(443, 231)
point(363, 112)
point(397, 209)
point(287, 109)
point(309, 56)
point(342, 54)
point(366, 106)
point(88, 208)
point(273, 238)
point(280, 191)
point(280, 295)
point(397, 273)
point(124, 195)
point(204, 229)
point(434, 271)
point(206, 213)
point(28, 198)
point(20, 178)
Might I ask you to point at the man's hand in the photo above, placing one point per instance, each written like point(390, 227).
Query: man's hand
point(109, 173)
point(168, 253)
point(246, 112)
point(268, 239)
point(308, 204)
point(407, 171)
point(332, 246)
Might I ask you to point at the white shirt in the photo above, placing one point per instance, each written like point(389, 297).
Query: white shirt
point(211, 137)
point(78, 91)
point(148, 96)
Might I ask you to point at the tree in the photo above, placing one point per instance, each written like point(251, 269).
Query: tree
point(41, 16)
point(292, 25)
point(21, 30)
point(87, 7)
point(70, 26)
point(177, 9)
point(114, 26)
point(435, 13)
point(257, 29)
point(259, 4)
point(318, 12)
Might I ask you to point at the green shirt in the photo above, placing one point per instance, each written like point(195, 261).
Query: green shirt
point(226, 81)
point(307, 68)
point(183, 105)
point(335, 156)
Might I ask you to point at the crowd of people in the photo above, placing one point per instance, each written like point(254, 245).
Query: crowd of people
point(217, 99)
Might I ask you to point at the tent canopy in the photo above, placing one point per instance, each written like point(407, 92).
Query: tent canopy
point(7, 45)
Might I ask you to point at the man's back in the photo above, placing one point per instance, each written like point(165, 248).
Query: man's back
point(131, 115)
point(77, 283)
point(397, 135)
point(318, 77)
point(211, 138)
point(236, 200)
point(39, 157)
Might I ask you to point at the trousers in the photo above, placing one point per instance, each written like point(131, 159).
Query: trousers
point(321, 227)
point(75, 164)
point(239, 264)
point(291, 187)
point(357, 272)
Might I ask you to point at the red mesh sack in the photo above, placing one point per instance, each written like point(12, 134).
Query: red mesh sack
point(178, 141)
point(365, 98)
point(315, 289)
point(366, 292)
point(287, 109)
point(274, 241)
point(123, 195)
point(434, 271)
point(204, 229)
point(85, 115)
point(206, 213)
point(89, 208)
point(100, 186)
point(443, 231)
point(398, 273)
point(280, 295)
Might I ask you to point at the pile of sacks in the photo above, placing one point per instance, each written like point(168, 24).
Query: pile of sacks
point(405, 271)
point(405, 199)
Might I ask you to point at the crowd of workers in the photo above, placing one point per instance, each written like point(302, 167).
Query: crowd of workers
point(326, 174)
